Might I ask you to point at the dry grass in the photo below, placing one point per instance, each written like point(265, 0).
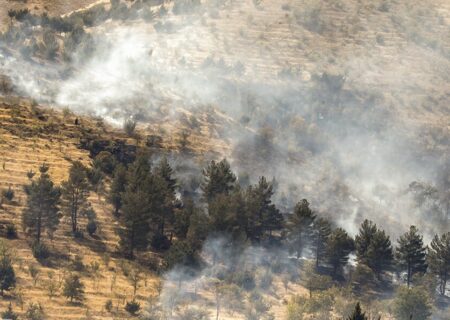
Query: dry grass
point(21, 152)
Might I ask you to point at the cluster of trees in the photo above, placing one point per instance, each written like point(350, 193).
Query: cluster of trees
point(47, 203)
point(153, 216)
point(156, 214)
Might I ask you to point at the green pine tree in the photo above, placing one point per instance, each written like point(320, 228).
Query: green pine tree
point(321, 233)
point(439, 259)
point(263, 216)
point(411, 253)
point(75, 192)
point(41, 212)
point(73, 288)
point(300, 226)
point(118, 187)
point(339, 246)
point(136, 206)
point(373, 248)
point(357, 314)
point(7, 274)
point(218, 179)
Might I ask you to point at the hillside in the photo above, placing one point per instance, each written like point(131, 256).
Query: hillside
point(345, 103)
point(33, 135)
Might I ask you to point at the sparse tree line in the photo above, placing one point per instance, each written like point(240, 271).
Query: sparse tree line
point(70, 28)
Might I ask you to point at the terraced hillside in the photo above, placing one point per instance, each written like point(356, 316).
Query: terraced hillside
point(352, 96)
point(33, 135)
point(58, 7)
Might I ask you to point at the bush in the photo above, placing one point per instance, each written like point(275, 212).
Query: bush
point(40, 250)
point(8, 194)
point(91, 227)
point(11, 231)
point(105, 162)
point(108, 305)
point(132, 307)
point(34, 312)
point(244, 279)
point(129, 126)
point(265, 279)
point(73, 288)
point(412, 303)
point(9, 313)
point(160, 242)
point(77, 263)
point(78, 234)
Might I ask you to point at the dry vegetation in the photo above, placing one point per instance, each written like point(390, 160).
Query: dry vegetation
point(362, 33)
point(32, 135)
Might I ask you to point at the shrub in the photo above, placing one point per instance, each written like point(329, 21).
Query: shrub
point(9, 313)
point(105, 162)
point(8, 194)
point(191, 313)
point(40, 250)
point(132, 307)
point(7, 274)
point(265, 279)
point(91, 227)
point(412, 303)
point(77, 263)
point(78, 234)
point(129, 126)
point(34, 273)
point(34, 312)
point(108, 305)
point(30, 174)
point(160, 242)
point(244, 279)
point(11, 231)
point(73, 288)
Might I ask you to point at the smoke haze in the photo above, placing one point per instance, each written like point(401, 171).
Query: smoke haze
point(343, 113)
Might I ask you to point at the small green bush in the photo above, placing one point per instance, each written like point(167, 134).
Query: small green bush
point(8, 194)
point(132, 307)
point(91, 227)
point(108, 305)
point(11, 231)
point(40, 251)
point(77, 263)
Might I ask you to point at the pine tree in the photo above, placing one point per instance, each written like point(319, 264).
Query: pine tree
point(41, 211)
point(165, 171)
point(75, 193)
point(136, 207)
point(358, 314)
point(73, 288)
point(163, 196)
point(373, 248)
point(118, 187)
point(300, 227)
point(218, 179)
point(182, 218)
point(339, 246)
point(135, 212)
point(439, 259)
point(411, 253)
point(7, 274)
point(263, 216)
point(321, 233)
